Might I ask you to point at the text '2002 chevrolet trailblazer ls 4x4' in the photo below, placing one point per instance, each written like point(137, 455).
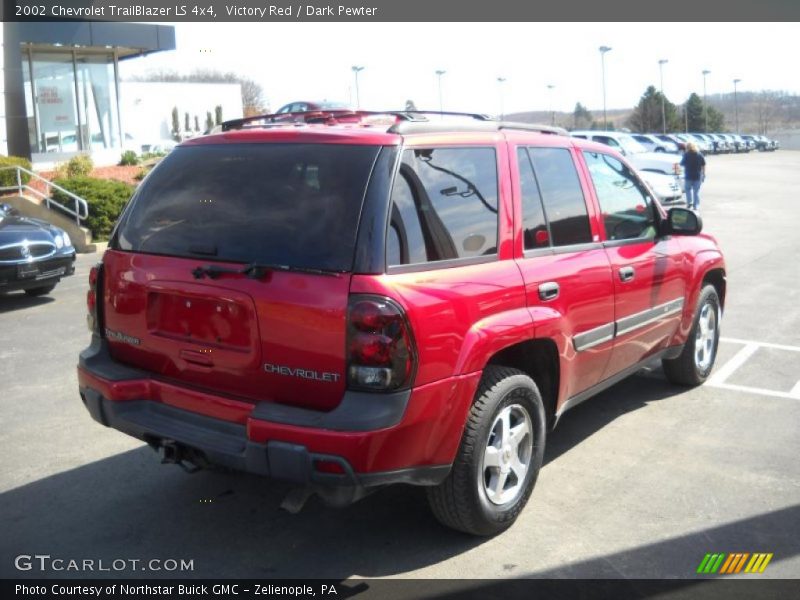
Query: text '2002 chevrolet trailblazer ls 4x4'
point(348, 300)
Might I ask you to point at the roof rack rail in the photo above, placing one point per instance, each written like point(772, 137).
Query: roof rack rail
point(405, 121)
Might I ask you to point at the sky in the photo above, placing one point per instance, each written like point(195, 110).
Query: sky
point(312, 61)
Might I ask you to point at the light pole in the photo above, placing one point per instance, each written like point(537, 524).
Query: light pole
point(736, 103)
point(356, 70)
point(603, 50)
point(439, 74)
point(550, 87)
point(705, 103)
point(500, 82)
point(661, 64)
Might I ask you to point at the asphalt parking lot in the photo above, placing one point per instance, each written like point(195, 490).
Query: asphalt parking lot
point(640, 482)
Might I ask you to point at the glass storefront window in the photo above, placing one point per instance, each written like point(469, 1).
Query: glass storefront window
point(71, 100)
point(98, 102)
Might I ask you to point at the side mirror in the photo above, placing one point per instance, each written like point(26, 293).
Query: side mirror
point(8, 209)
point(682, 221)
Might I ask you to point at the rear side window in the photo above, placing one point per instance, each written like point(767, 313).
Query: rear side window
point(534, 226)
point(289, 204)
point(564, 204)
point(444, 206)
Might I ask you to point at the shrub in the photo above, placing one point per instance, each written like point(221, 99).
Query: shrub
point(106, 199)
point(79, 166)
point(128, 158)
point(141, 174)
point(8, 177)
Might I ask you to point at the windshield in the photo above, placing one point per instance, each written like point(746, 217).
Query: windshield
point(296, 205)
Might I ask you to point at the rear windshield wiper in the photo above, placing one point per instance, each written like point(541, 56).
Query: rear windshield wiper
point(254, 271)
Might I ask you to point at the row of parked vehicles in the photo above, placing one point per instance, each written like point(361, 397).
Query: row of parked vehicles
point(707, 143)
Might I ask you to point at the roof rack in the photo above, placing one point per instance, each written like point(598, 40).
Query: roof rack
point(404, 121)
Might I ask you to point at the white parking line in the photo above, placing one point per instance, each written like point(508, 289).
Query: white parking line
point(719, 377)
point(762, 344)
point(734, 363)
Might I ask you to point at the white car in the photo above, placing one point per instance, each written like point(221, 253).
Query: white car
point(654, 144)
point(639, 157)
point(667, 188)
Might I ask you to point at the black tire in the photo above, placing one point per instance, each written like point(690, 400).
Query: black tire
point(40, 291)
point(461, 501)
point(685, 369)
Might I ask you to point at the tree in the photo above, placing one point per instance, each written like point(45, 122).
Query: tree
point(696, 117)
point(209, 121)
point(196, 123)
point(768, 105)
point(218, 114)
point(581, 117)
point(410, 105)
point(253, 101)
point(176, 124)
point(187, 124)
point(647, 116)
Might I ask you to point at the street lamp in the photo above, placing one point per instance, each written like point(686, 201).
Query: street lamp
point(439, 74)
point(661, 64)
point(550, 87)
point(500, 82)
point(705, 103)
point(356, 70)
point(736, 103)
point(603, 50)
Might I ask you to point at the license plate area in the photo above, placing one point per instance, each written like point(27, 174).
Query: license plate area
point(27, 271)
point(225, 321)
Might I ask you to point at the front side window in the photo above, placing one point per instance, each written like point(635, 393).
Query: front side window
point(625, 203)
point(444, 206)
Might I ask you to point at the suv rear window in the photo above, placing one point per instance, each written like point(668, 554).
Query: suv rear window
point(289, 204)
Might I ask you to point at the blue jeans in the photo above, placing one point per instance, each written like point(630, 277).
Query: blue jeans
point(693, 193)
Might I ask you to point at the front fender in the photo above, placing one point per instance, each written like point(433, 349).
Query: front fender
point(704, 262)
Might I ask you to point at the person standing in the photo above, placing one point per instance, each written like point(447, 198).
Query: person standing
point(694, 171)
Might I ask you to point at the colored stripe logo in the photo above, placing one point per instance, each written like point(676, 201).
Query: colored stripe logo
point(731, 563)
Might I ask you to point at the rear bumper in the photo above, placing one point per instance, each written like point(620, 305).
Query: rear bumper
point(369, 440)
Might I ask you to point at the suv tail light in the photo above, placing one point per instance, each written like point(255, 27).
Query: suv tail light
point(94, 295)
point(380, 349)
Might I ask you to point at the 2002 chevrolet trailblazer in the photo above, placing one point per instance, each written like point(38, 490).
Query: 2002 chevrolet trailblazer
point(348, 300)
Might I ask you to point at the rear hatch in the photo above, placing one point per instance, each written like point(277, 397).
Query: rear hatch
point(230, 270)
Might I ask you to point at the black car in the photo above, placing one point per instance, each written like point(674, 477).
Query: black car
point(34, 255)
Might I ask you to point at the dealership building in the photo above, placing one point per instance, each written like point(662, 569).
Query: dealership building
point(62, 91)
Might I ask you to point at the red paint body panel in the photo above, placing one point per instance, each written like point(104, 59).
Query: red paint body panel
point(291, 319)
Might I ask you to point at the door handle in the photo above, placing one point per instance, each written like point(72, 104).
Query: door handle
point(626, 274)
point(548, 291)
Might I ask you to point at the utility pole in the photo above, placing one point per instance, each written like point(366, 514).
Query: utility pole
point(500, 82)
point(705, 102)
point(603, 50)
point(439, 74)
point(356, 70)
point(550, 87)
point(736, 103)
point(661, 64)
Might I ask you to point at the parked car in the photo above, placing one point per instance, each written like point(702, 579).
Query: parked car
point(760, 142)
point(652, 143)
point(308, 106)
point(720, 143)
point(660, 162)
point(671, 137)
point(771, 144)
point(667, 188)
point(376, 305)
point(34, 255)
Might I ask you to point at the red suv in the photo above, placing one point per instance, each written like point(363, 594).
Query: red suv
point(399, 298)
